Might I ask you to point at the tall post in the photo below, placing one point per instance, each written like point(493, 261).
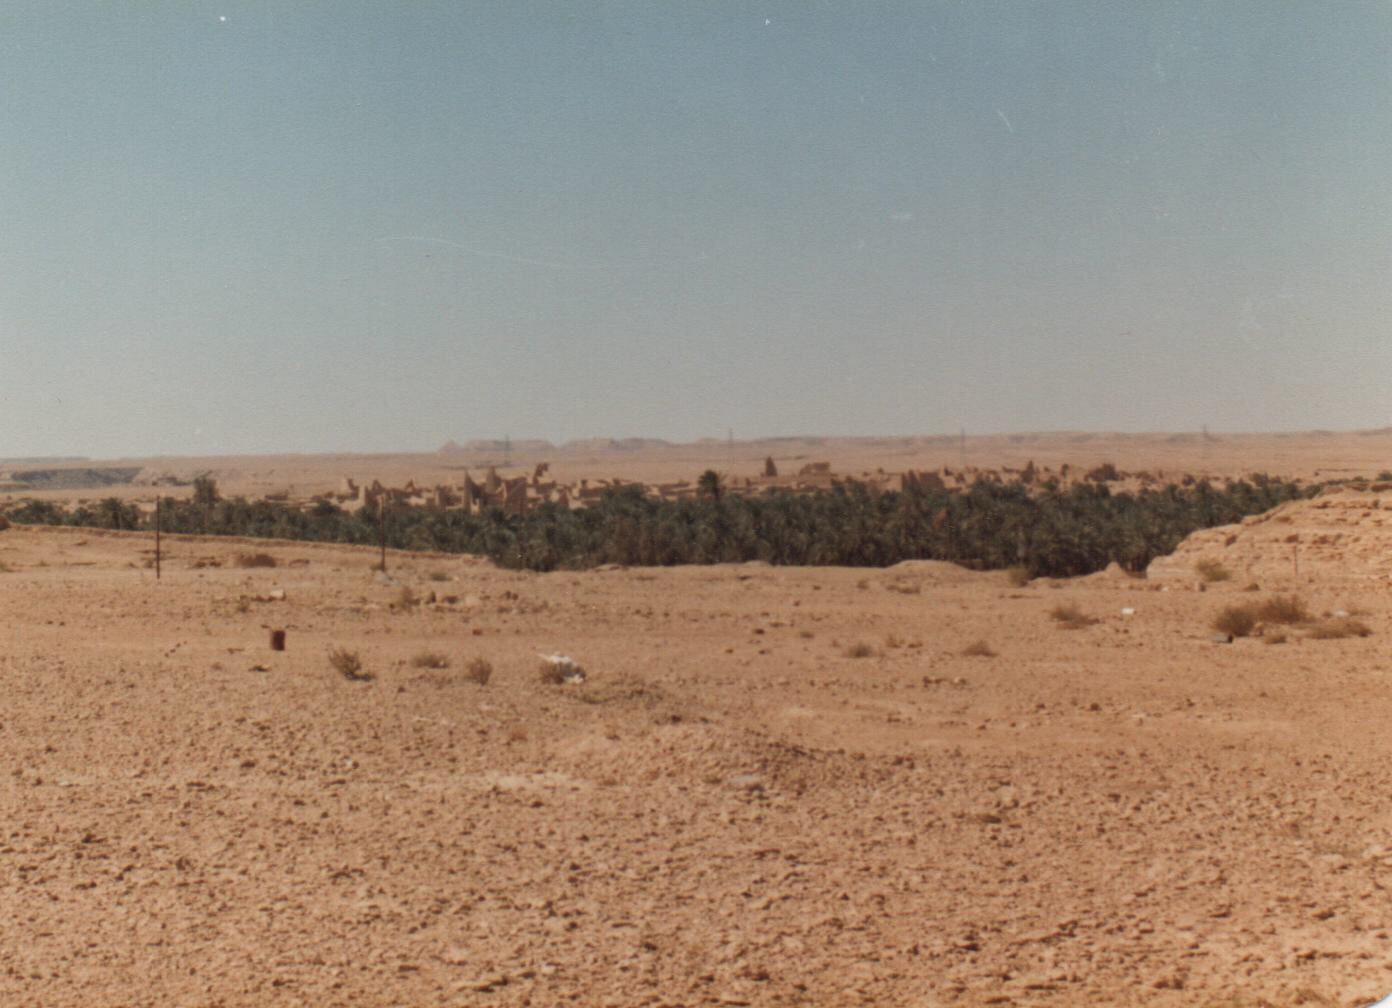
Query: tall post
point(157, 537)
point(382, 529)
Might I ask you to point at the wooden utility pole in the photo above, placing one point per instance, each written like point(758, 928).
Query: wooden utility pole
point(382, 529)
point(157, 538)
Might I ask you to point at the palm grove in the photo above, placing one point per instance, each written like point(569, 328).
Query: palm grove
point(1047, 531)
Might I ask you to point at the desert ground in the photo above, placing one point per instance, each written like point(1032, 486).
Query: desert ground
point(776, 786)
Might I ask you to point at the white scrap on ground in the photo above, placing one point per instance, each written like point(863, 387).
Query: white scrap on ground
point(569, 668)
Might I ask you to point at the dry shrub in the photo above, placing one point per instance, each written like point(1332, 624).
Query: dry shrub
point(1018, 576)
point(860, 650)
point(551, 674)
point(1333, 629)
point(1212, 570)
point(479, 671)
point(1275, 637)
point(979, 649)
point(255, 560)
point(1068, 616)
point(439, 576)
point(431, 660)
point(1286, 609)
point(1236, 620)
point(1241, 620)
point(1252, 587)
point(905, 587)
point(349, 665)
point(407, 598)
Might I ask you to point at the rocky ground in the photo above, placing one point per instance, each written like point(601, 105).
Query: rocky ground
point(776, 786)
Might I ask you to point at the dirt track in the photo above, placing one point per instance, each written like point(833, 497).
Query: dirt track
point(730, 811)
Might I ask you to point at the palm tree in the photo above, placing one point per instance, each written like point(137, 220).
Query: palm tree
point(711, 484)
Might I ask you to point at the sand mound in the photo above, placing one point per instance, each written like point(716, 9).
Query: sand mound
point(1344, 535)
point(931, 572)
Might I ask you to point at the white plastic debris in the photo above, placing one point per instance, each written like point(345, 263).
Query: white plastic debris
point(567, 666)
point(1128, 611)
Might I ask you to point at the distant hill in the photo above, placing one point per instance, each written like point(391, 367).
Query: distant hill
point(494, 446)
point(44, 460)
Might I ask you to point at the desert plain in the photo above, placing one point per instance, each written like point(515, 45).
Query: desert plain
point(909, 786)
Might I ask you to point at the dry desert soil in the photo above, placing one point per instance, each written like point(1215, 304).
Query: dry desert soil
point(775, 786)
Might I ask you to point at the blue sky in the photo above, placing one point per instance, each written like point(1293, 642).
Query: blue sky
point(238, 227)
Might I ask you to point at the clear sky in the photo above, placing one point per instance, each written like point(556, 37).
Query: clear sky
point(247, 227)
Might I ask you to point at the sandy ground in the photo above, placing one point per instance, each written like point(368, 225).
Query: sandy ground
point(731, 810)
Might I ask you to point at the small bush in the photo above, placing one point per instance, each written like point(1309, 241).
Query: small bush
point(1212, 570)
point(430, 659)
point(860, 650)
point(1236, 620)
point(550, 674)
point(349, 665)
point(1275, 637)
point(256, 560)
point(980, 649)
point(1070, 617)
point(1333, 629)
point(1286, 609)
point(479, 670)
point(1018, 576)
point(407, 598)
point(439, 576)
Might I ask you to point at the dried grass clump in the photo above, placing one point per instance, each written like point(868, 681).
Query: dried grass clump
point(979, 649)
point(1236, 620)
point(406, 598)
point(1275, 637)
point(550, 674)
point(860, 649)
point(1333, 629)
point(439, 575)
point(1018, 576)
point(1212, 570)
point(1287, 609)
point(255, 560)
point(430, 660)
point(349, 665)
point(1068, 616)
point(479, 670)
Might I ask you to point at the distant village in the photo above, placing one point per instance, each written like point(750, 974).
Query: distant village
point(519, 494)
